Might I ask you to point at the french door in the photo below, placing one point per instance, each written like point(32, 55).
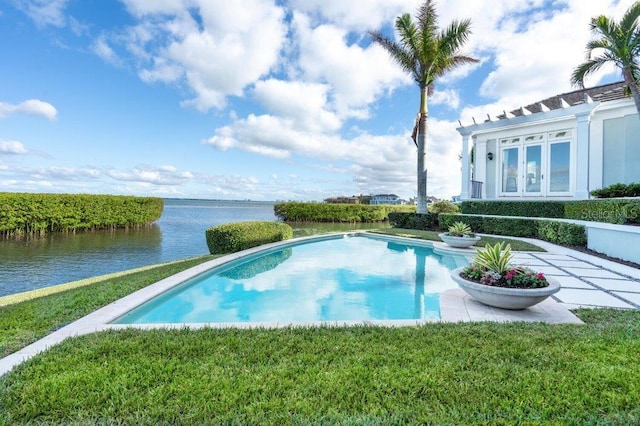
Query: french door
point(538, 169)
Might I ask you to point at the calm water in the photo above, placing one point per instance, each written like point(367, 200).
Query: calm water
point(179, 234)
point(340, 279)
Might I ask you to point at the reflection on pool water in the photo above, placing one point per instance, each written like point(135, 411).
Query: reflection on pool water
point(355, 278)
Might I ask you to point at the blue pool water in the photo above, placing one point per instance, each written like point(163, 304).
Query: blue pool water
point(354, 278)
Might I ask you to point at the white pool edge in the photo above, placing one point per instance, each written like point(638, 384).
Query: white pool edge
point(455, 305)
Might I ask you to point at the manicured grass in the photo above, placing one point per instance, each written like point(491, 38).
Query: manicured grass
point(516, 245)
point(477, 373)
point(23, 323)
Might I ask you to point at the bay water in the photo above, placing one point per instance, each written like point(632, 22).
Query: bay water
point(178, 234)
point(61, 258)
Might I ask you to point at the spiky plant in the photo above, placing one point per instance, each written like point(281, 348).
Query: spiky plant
point(495, 258)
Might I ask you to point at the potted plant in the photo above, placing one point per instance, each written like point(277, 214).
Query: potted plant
point(492, 279)
point(459, 236)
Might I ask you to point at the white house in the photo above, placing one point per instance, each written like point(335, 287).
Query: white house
point(385, 199)
point(559, 148)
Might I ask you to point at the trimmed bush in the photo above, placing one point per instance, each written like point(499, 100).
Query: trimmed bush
point(620, 211)
point(443, 206)
point(424, 222)
point(566, 234)
point(326, 212)
point(618, 190)
point(515, 208)
point(232, 237)
point(26, 215)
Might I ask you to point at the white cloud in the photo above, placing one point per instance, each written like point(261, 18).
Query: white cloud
point(216, 56)
point(101, 48)
point(448, 97)
point(12, 147)
point(163, 175)
point(44, 12)
point(30, 107)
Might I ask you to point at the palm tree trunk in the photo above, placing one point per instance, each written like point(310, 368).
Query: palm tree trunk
point(422, 141)
point(628, 78)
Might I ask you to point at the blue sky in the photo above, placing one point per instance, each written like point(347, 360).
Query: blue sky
point(258, 99)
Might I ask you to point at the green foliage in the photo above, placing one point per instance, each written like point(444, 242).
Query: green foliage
point(625, 211)
point(495, 258)
point(25, 215)
point(618, 190)
point(515, 208)
point(442, 374)
point(443, 206)
point(566, 234)
point(232, 237)
point(556, 232)
point(460, 229)
point(516, 227)
point(424, 222)
point(326, 212)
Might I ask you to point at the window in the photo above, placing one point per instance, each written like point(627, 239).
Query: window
point(559, 166)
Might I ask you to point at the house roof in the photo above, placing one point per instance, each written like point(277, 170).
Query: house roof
point(604, 93)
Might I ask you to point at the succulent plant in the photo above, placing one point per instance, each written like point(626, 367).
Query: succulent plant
point(460, 229)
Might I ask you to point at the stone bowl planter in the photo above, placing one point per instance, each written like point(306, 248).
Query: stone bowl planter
point(504, 297)
point(458, 242)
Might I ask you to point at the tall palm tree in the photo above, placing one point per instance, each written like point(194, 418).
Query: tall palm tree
point(426, 53)
point(617, 43)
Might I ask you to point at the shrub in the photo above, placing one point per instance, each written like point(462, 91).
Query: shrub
point(232, 237)
point(443, 207)
point(424, 222)
point(556, 232)
point(515, 208)
point(27, 215)
point(325, 212)
point(566, 234)
point(618, 190)
point(620, 211)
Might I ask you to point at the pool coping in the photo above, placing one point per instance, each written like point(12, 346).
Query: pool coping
point(455, 304)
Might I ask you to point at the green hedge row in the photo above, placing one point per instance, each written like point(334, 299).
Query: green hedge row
point(324, 212)
point(515, 208)
point(424, 222)
point(567, 234)
point(232, 237)
point(618, 190)
point(619, 211)
point(24, 214)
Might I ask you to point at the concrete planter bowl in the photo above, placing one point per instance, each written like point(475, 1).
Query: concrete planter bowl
point(503, 297)
point(458, 242)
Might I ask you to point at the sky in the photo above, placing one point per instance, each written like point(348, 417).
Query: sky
point(259, 99)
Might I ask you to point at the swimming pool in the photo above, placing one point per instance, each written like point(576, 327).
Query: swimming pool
point(338, 278)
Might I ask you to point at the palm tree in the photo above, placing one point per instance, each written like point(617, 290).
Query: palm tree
point(426, 53)
point(617, 43)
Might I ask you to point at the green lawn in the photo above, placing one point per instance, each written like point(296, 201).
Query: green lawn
point(478, 373)
point(24, 323)
point(516, 245)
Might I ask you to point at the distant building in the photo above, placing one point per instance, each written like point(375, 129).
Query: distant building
point(342, 200)
point(385, 199)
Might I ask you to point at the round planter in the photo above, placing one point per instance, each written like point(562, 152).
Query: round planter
point(503, 297)
point(459, 242)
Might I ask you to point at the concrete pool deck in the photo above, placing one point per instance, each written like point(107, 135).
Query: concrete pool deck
point(587, 282)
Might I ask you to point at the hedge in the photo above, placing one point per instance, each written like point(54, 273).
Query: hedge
point(618, 190)
point(23, 214)
point(563, 233)
point(553, 209)
point(620, 211)
point(425, 222)
point(326, 212)
point(232, 237)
